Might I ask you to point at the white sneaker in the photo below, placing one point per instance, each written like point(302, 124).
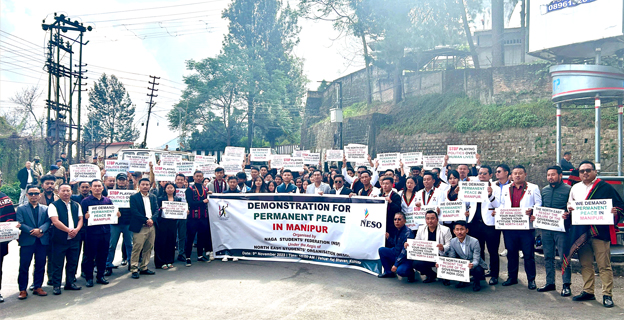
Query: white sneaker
point(211, 255)
point(521, 255)
point(234, 259)
point(224, 259)
point(504, 253)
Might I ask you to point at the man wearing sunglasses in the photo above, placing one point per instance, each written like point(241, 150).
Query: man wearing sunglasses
point(394, 256)
point(593, 241)
point(339, 187)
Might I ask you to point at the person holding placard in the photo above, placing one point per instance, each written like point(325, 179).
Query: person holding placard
point(143, 206)
point(394, 256)
point(432, 231)
point(121, 228)
point(241, 178)
point(408, 196)
point(33, 241)
point(593, 241)
point(98, 236)
point(356, 183)
point(466, 247)
point(7, 213)
point(254, 174)
point(181, 185)
point(165, 242)
point(555, 195)
point(197, 223)
point(66, 217)
point(394, 202)
point(482, 225)
point(525, 195)
point(502, 179)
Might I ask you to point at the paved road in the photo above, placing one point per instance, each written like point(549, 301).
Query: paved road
point(271, 290)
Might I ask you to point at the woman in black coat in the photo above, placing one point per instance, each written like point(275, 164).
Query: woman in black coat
point(164, 246)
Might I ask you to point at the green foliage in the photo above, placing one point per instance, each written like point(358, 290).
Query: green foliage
point(12, 190)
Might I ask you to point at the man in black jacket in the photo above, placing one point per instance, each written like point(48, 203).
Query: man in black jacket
point(394, 204)
point(26, 176)
point(143, 206)
point(122, 227)
point(339, 187)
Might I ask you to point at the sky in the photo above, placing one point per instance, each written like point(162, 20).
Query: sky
point(134, 39)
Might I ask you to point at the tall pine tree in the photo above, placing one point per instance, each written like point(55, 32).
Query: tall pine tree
point(111, 113)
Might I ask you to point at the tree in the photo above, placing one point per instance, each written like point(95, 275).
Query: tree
point(111, 113)
point(498, 28)
point(26, 100)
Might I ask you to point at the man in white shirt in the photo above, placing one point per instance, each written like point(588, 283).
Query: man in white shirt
point(318, 186)
point(143, 206)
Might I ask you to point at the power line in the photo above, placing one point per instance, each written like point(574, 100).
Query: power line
point(24, 40)
point(144, 9)
point(158, 16)
point(6, 70)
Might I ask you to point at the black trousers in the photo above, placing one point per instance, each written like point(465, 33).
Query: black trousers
point(425, 268)
point(96, 248)
point(488, 237)
point(82, 249)
point(201, 228)
point(516, 240)
point(477, 274)
point(69, 251)
point(1, 260)
point(164, 246)
point(37, 250)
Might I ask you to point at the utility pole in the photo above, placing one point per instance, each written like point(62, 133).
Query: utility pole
point(151, 105)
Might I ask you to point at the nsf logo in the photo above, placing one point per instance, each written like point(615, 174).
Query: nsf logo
point(369, 224)
point(223, 215)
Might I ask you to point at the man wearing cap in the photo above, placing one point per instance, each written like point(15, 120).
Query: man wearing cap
point(64, 163)
point(100, 162)
point(122, 227)
point(37, 167)
point(61, 173)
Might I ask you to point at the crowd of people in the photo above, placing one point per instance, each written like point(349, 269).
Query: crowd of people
point(53, 218)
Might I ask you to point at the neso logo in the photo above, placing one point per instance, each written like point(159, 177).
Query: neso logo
point(369, 224)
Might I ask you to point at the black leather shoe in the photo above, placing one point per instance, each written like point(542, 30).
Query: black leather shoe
point(460, 285)
point(89, 283)
point(487, 274)
point(108, 272)
point(135, 275)
point(446, 282)
point(387, 275)
point(429, 279)
point(72, 287)
point(411, 279)
point(547, 287)
point(493, 281)
point(476, 287)
point(147, 271)
point(607, 301)
point(532, 285)
point(584, 296)
point(566, 292)
point(101, 280)
point(509, 282)
point(124, 262)
point(56, 291)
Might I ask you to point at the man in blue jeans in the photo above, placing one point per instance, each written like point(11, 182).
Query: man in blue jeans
point(394, 256)
point(122, 227)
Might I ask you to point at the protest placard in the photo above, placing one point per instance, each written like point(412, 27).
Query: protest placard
point(548, 219)
point(388, 161)
point(299, 153)
point(231, 168)
point(205, 159)
point(9, 231)
point(260, 154)
point(277, 160)
point(452, 211)
point(453, 269)
point(512, 219)
point(170, 160)
point(181, 193)
point(333, 155)
point(422, 250)
point(311, 158)
point(411, 159)
point(593, 212)
point(415, 216)
point(356, 152)
point(293, 164)
point(185, 168)
point(462, 154)
point(430, 162)
point(99, 215)
point(164, 173)
point(84, 172)
point(238, 152)
point(174, 210)
point(120, 198)
point(473, 191)
point(206, 168)
point(138, 163)
point(115, 167)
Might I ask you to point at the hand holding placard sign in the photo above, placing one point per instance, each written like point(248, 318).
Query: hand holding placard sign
point(138, 163)
point(115, 167)
point(470, 191)
point(430, 162)
point(164, 173)
point(411, 159)
point(9, 231)
point(452, 211)
point(84, 172)
point(260, 154)
point(422, 250)
point(416, 217)
point(462, 154)
point(105, 214)
point(593, 212)
point(548, 219)
point(333, 155)
point(174, 210)
point(120, 198)
point(453, 269)
point(356, 152)
point(512, 219)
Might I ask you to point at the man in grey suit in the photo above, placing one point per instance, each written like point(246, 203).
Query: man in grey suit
point(318, 186)
point(33, 240)
point(467, 248)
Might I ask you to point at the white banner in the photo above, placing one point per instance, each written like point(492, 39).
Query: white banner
point(120, 198)
point(293, 164)
point(336, 231)
point(512, 219)
point(462, 154)
point(138, 163)
point(164, 173)
point(186, 168)
point(452, 211)
point(260, 154)
point(422, 250)
point(333, 155)
point(106, 214)
point(430, 162)
point(9, 231)
point(356, 152)
point(548, 219)
point(115, 167)
point(411, 159)
point(453, 269)
point(84, 172)
point(593, 212)
point(174, 210)
point(470, 191)
point(311, 158)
